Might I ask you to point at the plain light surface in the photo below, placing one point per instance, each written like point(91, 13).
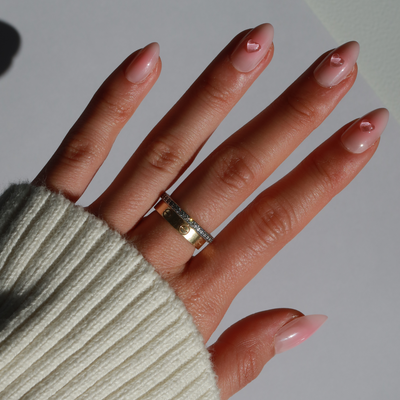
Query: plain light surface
point(375, 24)
point(345, 262)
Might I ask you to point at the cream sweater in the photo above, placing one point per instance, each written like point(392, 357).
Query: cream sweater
point(84, 316)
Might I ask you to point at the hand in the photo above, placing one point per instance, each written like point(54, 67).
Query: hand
point(208, 282)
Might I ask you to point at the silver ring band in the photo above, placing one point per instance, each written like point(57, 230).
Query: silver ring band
point(193, 224)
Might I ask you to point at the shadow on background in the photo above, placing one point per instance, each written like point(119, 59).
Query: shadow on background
point(10, 42)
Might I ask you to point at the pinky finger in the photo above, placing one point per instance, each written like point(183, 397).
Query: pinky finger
point(242, 350)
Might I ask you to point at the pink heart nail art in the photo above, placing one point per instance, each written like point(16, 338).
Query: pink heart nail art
point(252, 46)
point(364, 133)
point(337, 65)
point(336, 60)
point(366, 126)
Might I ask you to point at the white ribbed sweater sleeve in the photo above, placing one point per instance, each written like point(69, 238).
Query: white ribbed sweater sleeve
point(84, 316)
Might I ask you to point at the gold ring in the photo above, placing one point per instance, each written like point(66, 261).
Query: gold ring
point(182, 222)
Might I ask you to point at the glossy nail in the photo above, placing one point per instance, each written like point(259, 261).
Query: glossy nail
point(252, 48)
point(142, 65)
point(297, 331)
point(363, 133)
point(337, 65)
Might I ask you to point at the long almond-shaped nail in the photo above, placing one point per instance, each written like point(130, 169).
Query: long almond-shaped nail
point(142, 65)
point(252, 48)
point(297, 331)
point(363, 133)
point(337, 65)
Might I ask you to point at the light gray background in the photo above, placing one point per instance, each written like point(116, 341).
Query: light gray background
point(344, 264)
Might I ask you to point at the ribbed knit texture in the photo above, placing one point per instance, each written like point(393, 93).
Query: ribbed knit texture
point(84, 316)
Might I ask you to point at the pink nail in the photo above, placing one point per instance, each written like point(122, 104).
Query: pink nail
point(337, 65)
point(252, 48)
point(297, 331)
point(142, 65)
point(361, 135)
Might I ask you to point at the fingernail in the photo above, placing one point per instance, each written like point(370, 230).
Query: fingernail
point(142, 65)
point(252, 48)
point(337, 65)
point(361, 135)
point(297, 331)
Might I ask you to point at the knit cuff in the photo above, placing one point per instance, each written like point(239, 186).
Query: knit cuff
point(83, 315)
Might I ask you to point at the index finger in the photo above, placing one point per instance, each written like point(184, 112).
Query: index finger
point(89, 141)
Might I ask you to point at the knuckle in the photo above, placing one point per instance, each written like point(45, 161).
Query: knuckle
point(165, 157)
point(215, 93)
point(326, 179)
point(301, 110)
point(115, 108)
point(249, 366)
point(234, 170)
point(80, 151)
point(271, 220)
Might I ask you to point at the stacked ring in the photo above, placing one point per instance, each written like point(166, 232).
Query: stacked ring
point(182, 222)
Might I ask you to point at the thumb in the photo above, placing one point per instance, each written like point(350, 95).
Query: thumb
point(242, 350)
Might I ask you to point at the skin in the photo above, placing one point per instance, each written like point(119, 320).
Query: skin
point(208, 282)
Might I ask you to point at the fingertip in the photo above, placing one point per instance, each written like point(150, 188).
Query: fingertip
point(297, 331)
point(365, 131)
point(252, 48)
point(143, 63)
point(337, 65)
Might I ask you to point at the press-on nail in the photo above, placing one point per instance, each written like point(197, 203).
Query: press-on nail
point(337, 65)
point(297, 331)
point(363, 133)
point(142, 65)
point(252, 48)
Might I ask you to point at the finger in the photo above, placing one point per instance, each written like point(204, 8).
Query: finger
point(88, 143)
point(243, 162)
point(171, 146)
point(242, 351)
point(275, 217)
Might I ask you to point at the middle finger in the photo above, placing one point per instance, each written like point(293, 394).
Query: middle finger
point(169, 149)
point(237, 167)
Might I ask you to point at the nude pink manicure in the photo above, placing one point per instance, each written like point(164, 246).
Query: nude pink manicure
point(337, 65)
point(143, 64)
point(297, 331)
point(252, 48)
point(363, 133)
